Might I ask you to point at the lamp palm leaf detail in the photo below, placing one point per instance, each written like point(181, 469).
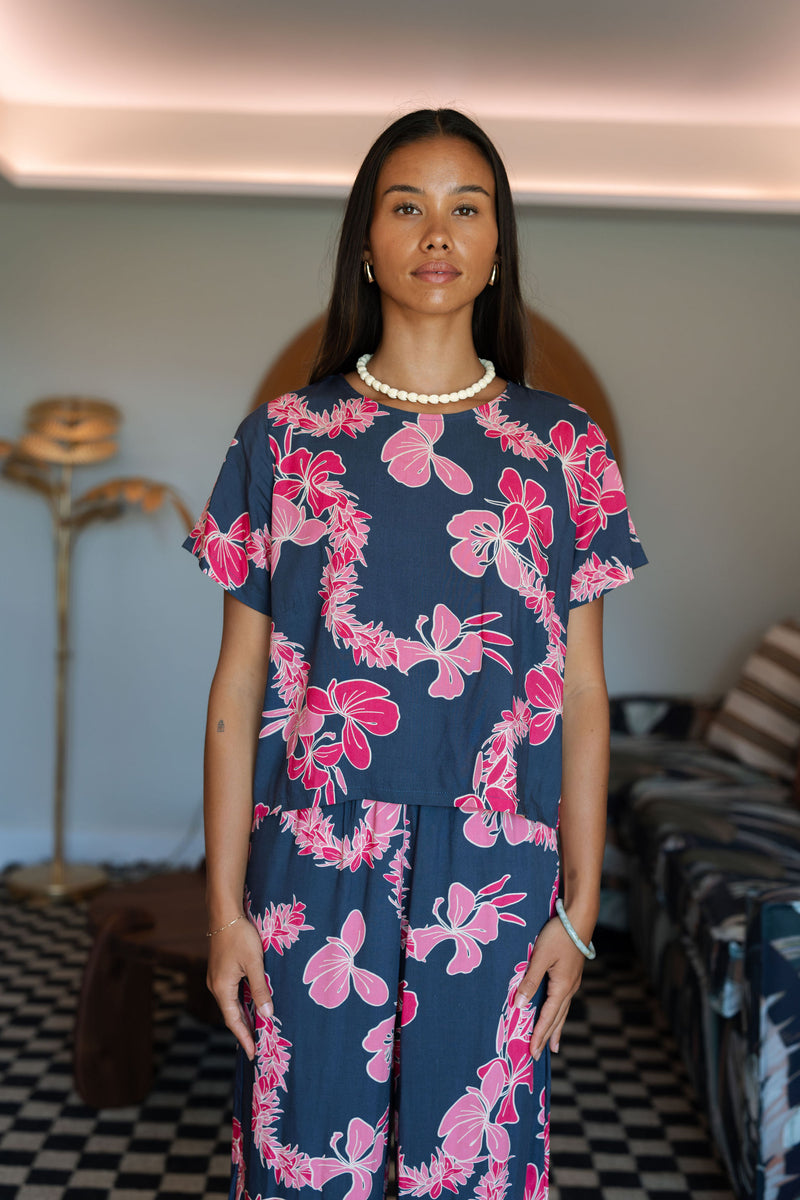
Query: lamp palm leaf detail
point(63, 433)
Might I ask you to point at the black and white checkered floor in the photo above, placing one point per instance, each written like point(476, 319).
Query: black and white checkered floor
point(625, 1125)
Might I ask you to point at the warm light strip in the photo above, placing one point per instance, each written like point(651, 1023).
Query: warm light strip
point(607, 164)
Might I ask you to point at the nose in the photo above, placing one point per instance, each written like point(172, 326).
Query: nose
point(436, 236)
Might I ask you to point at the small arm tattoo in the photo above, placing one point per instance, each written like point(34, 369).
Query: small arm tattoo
point(220, 726)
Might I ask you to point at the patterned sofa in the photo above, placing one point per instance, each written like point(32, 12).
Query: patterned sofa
point(712, 847)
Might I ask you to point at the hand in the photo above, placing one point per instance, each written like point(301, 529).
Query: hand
point(556, 956)
point(236, 953)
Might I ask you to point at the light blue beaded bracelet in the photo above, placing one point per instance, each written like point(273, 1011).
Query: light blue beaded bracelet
point(587, 951)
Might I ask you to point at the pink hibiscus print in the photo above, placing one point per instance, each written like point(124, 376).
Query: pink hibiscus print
point(363, 705)
point(544, 687)
point(332, 969)
point(597, 449)
point(237, 1158)
point(363, 1155)
point(454, 651)
point(411, 454)
point(312, 762)
point(602, 493)
point(471, 919)
point(467, 1122)
point(306, 475)
point(517, 1068)
point(485, 539)
point(224, 551)
point(536, 1185)
point(483, 828)
point(527, 517)
point(570, 448)
point(290, 524)
point(379, 1042)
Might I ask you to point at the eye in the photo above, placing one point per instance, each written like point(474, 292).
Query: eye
point(466, 210)
point(406, 208)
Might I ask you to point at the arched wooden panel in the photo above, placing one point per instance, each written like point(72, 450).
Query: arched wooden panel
point(557, 366)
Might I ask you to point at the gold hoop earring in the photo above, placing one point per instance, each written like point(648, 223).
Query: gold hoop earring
point(370, 278)
point(494, 274)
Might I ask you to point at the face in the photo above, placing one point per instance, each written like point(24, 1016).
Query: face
point(433, 237)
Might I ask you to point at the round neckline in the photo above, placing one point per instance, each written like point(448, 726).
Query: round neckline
point(422, 411)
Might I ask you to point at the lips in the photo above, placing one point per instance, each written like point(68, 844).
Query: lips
point(436, 272)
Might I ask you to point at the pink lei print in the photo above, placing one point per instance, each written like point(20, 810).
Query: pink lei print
point(371, 839)
point(301, 478)
point(280, 926)
point(273, 1056)
point(595, 577)
point(494, 779)
point(513, 435)
point(473, 1129)
point(347, 416)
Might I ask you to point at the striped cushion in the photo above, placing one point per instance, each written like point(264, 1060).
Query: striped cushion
point(759, 721)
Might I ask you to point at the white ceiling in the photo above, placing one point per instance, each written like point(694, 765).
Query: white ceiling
point(633, 102)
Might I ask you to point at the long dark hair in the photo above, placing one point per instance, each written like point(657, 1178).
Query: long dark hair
point(354, 323)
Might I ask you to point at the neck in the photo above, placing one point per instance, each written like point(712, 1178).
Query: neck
point(432, 355)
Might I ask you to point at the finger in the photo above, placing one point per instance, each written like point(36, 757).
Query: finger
point(554, 1012)
point(235, 1019)
point(262, 997)
point(555, 1036)
point(530, 983)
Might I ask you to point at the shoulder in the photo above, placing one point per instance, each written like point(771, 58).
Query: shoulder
point(253, 431)
point(548, 406)
point(547, 410)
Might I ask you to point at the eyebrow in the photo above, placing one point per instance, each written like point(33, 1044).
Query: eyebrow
point(415, 191)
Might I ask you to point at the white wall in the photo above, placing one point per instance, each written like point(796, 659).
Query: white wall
point(174, 307)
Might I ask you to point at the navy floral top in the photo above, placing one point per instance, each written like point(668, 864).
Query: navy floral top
point(418, 570)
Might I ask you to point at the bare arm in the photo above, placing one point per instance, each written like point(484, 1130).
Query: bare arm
point(234, 709)
point(582, 825)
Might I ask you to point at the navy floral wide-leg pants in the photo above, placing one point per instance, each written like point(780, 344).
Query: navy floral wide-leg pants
point(394, 938)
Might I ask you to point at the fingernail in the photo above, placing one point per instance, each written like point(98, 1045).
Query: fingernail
point(520, 1001)
point(537, 1054)
point(266, 1010)
point(554, 1047)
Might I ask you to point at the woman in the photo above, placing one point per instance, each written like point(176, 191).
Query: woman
point(412, 634)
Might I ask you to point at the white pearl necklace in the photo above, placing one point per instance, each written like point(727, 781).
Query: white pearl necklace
point(399, 394)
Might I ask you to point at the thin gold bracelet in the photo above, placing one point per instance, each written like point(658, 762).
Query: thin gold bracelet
point(211, 932)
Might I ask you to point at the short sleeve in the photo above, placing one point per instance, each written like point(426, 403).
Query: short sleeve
point(607, 547)
point(232, 538)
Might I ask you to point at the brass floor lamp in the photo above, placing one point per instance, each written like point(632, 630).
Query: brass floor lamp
point(64, 432)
